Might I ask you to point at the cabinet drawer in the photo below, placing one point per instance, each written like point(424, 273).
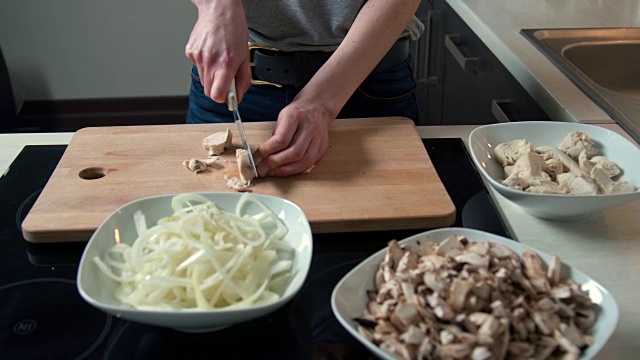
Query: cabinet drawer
point(477, 88)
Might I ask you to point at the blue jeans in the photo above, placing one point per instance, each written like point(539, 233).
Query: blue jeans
point(383, 93)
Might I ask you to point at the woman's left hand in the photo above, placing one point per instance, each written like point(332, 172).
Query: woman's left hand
point(300, 138)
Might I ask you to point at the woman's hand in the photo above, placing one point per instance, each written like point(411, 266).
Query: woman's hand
point(300, 139)
point(218, 47)
point(301, 136)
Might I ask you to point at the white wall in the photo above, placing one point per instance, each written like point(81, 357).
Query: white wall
point(80, 49)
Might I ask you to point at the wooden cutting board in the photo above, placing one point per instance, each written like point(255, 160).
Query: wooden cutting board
point(376, 175)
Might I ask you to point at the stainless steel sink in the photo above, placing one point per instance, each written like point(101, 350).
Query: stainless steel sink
point(603, 62)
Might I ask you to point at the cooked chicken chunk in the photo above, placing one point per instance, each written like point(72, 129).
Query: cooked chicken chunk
point(571, 168)
point(576, 142)
point(566, 160)
point(608, 186)
point(216, 143)
point(529, 165)
point(607, 165)
point(508, 170)
point(574, 184)
point(508, 153)
point(549, 187)
point(553, 167)
point(585, 164)
point(527, 172)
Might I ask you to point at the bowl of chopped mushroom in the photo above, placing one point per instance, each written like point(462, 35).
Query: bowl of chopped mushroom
point(557, 170)
point(456, 293)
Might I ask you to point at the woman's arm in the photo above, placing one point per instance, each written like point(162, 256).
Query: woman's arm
point(301, 136)
point(375, 30)
point(218, 47)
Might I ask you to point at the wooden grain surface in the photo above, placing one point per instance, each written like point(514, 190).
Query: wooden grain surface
point(376, 175)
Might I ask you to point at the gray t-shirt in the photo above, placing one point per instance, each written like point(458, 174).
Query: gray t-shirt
point(307, 25)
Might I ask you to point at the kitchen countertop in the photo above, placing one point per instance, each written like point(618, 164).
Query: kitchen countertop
point(604, 245)
point(498, 24)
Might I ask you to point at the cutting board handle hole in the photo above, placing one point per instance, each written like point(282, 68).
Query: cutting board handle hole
point(93, 173)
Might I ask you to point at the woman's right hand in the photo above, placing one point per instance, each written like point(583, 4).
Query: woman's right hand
point(218, 47)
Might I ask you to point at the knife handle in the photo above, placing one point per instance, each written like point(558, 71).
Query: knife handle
point(232, 98)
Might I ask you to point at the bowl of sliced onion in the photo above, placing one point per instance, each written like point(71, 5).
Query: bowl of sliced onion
point(197, 262)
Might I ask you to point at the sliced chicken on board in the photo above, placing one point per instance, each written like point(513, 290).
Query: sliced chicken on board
point(217, 142)
point(198, 165)
point(244, 168)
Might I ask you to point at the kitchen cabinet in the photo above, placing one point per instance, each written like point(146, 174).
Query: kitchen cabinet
point(463, 82)
point(7, 101)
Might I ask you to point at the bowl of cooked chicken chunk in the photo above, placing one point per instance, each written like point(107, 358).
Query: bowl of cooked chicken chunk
point(557, 170)
point(457, 293)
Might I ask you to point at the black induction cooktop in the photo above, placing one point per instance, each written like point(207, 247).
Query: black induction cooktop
point(42, 316)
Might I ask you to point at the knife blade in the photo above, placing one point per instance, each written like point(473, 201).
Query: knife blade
point(233, 106)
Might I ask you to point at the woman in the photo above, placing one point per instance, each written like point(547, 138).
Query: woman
point(321, 52)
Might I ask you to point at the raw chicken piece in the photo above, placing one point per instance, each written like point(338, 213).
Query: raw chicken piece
point(578, 185)
point(576, 142)
point(509, 152)
point(216, 143)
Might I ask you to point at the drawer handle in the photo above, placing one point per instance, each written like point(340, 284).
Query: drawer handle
point(498, 111)
point(466, 63)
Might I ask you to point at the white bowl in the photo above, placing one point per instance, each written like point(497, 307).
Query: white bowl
point(484, 139)
point(98, 290)
point(349, 298)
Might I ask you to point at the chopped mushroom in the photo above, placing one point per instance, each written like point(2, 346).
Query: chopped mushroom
point(507, 306)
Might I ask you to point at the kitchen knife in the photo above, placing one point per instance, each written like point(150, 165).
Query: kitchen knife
point(233, 106)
